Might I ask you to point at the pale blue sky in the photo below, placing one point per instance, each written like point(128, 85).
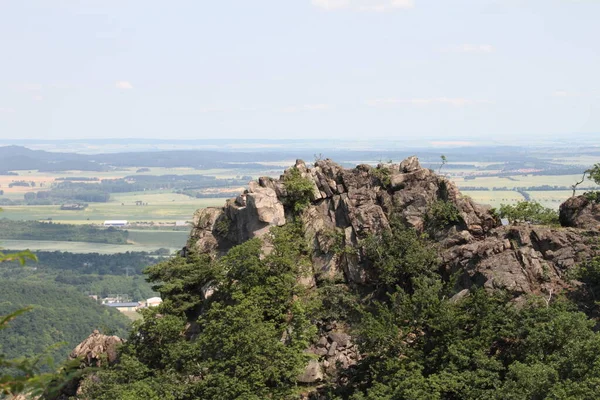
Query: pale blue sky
point(443, 69)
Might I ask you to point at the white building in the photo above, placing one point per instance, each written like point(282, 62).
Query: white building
point(153, 301)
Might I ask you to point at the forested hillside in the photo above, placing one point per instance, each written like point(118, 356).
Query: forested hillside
point(60, 318)
point(102, 275)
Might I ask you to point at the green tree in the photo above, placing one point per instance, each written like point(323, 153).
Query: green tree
point(246, 340)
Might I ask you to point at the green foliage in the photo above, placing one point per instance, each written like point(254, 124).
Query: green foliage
point(299, 190)
point(222, 225)
point(421, 346)
point(529, 211)
point(98, 274)
point(594, 197)
point(398, 255)
point(594, 173)
point(383, 174)
point(24, 375)
point(249, 336)
point(440, 215)
point(587, 294)
point(180, 280)
point(334, 242)
point(34, 230)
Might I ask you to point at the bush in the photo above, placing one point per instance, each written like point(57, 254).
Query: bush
point(383, 174)
point(441, 214)
point(299, 190)
point(529, 211)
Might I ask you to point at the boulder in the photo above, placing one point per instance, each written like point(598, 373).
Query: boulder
point(95, 348)
point(580, 212)
point(312, 373)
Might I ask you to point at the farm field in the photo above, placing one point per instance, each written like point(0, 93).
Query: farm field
point(520, 181)
point(167, 207)
point(79, 247)
point(43, 180)
point(551, 198)
point(494, 198)
point(159, 238)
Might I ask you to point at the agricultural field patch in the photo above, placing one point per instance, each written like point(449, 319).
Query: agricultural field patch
point(494, 198)
point(79, 247)
point(97, 213)
point(520, 181)
point(158, 238)
point(551, 198)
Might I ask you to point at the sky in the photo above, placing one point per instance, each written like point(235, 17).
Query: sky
point(455, 70)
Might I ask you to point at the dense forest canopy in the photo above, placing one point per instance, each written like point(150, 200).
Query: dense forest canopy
point(60, 316)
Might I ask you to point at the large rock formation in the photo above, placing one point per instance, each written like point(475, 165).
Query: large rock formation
point(580, 212)
point(347, 205)
point(351, 203)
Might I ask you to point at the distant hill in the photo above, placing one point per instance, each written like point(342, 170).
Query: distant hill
point(21, 158)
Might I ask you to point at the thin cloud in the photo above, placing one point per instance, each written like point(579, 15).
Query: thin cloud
point(306, 107)
point(28, 87)
point(470, 49)
point(7, 110)
point(208, 110)
point(364, 5)
point(125, 85)
point(568, 93)
point(452, 101)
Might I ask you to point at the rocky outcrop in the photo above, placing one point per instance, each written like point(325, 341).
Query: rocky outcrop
point(346, 206)
point(332, 351)
point(580, 212)
point(249, 215)
point(95, 351)
point(520, 259)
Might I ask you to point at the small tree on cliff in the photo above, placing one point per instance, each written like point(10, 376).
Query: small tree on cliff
point(592, 174)
point(444, 161)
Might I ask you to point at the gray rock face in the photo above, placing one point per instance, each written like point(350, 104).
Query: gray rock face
point(94, 347)
point(347, 205)
point(520, 259)
point(580, 212)
point(312, 373)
